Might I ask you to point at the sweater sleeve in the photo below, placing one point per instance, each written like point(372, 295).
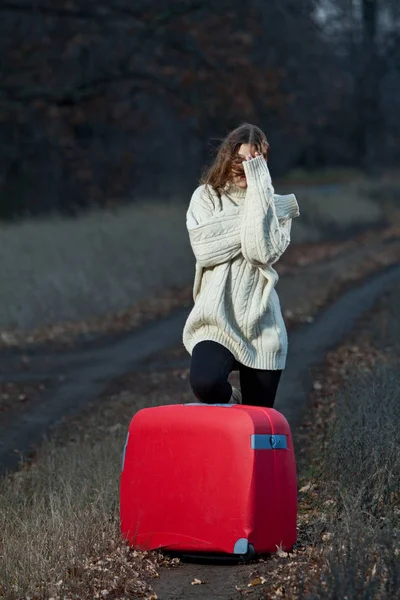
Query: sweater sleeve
point(265, 235)
point(214, 236)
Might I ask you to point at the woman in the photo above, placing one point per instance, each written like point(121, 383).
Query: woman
point(238, 229)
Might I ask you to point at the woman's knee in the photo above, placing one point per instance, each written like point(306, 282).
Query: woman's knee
point(210, 388)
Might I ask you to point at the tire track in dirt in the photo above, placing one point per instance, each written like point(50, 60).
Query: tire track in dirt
point(100, 360)
point(83, 373)
point(87, 370)
point(308, 347)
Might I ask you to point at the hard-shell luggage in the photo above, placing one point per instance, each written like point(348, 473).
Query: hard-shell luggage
point(202, 478)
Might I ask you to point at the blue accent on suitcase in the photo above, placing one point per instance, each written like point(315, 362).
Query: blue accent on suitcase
point(124, 452)
point(241, 546)
point(260, 441)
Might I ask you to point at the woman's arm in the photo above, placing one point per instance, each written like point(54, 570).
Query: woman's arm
point(215, 238)
point(264, 236)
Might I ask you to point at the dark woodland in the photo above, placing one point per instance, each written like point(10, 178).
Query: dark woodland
point(106, 102)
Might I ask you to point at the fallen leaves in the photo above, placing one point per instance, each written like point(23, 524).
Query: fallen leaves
point(306, 488)
point(197, 581)
point(16, 396)
point(279, 577)
point(281, 553)
point(257, 581)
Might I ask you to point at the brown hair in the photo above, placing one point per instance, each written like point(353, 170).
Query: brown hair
point(220, 172)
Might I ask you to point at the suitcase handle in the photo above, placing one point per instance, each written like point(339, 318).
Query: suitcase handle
point(205, 404)
point(275, 441)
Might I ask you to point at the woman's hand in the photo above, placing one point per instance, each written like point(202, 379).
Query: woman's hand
point(249, 156)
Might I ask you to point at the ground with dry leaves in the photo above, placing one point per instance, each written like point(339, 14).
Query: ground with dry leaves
point(59, 515)
point(349, 472)
point(60, 536)
point(312, 276)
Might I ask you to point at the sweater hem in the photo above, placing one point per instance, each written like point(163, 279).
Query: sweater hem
point(267, 361)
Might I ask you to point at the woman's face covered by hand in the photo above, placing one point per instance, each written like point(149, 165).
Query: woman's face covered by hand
point(245, 152)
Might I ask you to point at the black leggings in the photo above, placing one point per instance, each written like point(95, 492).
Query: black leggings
point(210, 367)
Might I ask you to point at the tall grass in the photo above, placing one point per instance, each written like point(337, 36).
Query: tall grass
point(70, 269)
point(57, 270)
point(59, 534)
point(360, 482)
point(57, 515)
point(59, 518)
point(364, 457)
point(330, 212)
point(362, 563)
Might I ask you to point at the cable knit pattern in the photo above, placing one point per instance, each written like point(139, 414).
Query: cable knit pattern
point(263, 238)
point(236, 239)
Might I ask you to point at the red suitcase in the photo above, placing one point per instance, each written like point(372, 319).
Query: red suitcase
point(216, 479)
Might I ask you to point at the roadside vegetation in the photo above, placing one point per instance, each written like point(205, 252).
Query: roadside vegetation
point(351, 505)
point(349, 483)
point(60, 270)
point(59, 517)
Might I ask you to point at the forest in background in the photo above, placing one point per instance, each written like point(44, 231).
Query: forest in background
point(104, 102)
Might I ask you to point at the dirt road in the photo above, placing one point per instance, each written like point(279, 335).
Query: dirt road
point(73, 378)
point(68, 380)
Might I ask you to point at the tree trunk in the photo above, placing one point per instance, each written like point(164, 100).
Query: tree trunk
point(370, 118)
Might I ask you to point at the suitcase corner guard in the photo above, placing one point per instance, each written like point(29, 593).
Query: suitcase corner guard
point(244, 550)
point(241, 546)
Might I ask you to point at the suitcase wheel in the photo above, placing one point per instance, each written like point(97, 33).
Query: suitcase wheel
point(250, 554)
point(247, 556)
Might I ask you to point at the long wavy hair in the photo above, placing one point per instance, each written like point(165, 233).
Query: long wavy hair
point(227, 163)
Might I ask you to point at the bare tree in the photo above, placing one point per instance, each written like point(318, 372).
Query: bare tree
point(97, 95)
point(364, 35)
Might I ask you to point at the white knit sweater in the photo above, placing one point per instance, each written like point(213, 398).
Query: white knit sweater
point(236, 239)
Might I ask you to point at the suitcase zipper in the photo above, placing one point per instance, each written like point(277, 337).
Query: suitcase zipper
point(124, 452)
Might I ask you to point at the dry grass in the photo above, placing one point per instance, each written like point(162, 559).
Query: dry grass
point(350, 470)
point(349, 473)
point(64, 270)
point(338, 202)
point(362, 468)
point(59, 528)
point(359, 488)
point(70, 269)
point(57, 513)
point(327, 175)
point(385, 193)
point(331, 212)
point(59, 520)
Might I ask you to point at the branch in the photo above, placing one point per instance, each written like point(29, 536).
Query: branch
point(50, 11)
point(87, 90)
point(102, 12)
